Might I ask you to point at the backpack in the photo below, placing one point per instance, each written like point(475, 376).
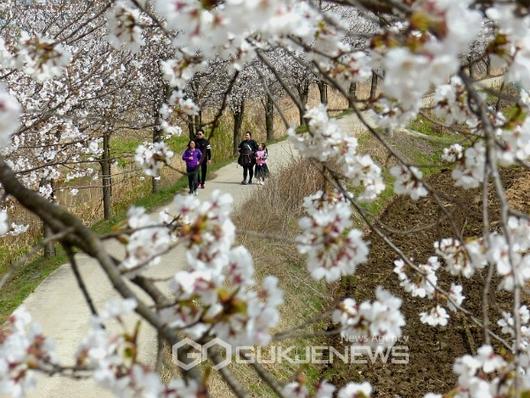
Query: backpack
point(246, 156)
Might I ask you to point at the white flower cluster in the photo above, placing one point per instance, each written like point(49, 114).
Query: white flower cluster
point(217, 292)
point(517, 31)
point(4, 223)
point(436, 316)
point(390, 114)
point(40, 57)
point(9, 117)
point(11, 230)
point(453, 153)
point(115, 369)
point(178, 72)
point(168, 129)
point(408, 181)
point(351, 68)
point(148, 241)
point(507, 325)
point(208, 232)
point(469, 171)
point(515, 144)
point(151, 157)
point(124, 27)
point(298, 389)
point(409, 75)
point(377, 322)
point(456, 256)
point(487, 375)
point(518, 272)
point(495, 250)
point(22, 348)
point(480, 376)
point(325, 142)
point(423, 284)
point(450, 103)
point(221, 31)
point(187, 106)
point(333, 247)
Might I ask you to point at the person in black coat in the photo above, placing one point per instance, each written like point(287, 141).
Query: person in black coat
point(206, 149)
point(247, 157)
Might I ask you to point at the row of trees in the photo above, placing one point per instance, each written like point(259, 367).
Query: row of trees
point(106, 90)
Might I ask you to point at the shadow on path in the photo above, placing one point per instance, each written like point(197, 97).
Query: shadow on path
point(228, 182)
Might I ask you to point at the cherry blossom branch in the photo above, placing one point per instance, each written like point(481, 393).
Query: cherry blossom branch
point(227, 375)
point(295, 98)
point(80, 282)
point(336, 182)
point(491, 161)
point(276, 105)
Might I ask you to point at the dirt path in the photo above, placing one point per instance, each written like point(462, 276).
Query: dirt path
point(58, 306)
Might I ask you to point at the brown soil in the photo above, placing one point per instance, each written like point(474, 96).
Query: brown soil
point(432, 350)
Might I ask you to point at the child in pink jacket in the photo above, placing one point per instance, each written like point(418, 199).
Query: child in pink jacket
point(262, 171)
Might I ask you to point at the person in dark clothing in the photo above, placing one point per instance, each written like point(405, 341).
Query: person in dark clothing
point(204, 146)
point(247, 157)
point(192, 156)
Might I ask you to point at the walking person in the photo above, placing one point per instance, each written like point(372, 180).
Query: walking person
point(262, 170)
point(247, 157)
point(192, 156)
point(204, 146)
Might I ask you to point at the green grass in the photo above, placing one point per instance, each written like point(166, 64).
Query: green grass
point(120, 146)
point(25, 280)
point(436, 132)
point(343, 113)
point(415, 150)
point(178, 143)
point(9, 252)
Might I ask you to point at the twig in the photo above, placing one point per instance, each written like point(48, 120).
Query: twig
point(80, 282)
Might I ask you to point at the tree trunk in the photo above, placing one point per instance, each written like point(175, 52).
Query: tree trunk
point(471, 70)
point(352, 94)
point(303, 91)
point(157, 137)
point(323, 90)
point(269, 118)
point(238, 123)
point(49, 247)
point(373, 86)
point(191, 127)
point(198, 121)
point(106, 177)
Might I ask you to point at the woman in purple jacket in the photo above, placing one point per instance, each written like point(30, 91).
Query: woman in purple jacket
point(192, 156)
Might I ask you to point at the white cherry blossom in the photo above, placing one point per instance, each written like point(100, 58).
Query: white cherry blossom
point(333, 247)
